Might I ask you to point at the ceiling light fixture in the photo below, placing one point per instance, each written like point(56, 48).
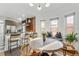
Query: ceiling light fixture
point(47, 4)
point(40, 5)
point(31, 4)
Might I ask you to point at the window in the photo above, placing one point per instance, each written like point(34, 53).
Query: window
point(70, 23)
point(54, 26)
point(42, 25)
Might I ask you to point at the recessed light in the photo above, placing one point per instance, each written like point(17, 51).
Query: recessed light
point(31, 4)
point(47, 4)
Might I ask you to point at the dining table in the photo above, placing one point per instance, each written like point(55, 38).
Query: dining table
point(49, 45)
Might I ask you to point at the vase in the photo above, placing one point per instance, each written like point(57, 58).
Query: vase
point(44, 37)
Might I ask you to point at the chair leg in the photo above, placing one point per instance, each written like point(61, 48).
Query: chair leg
point(9, 47)
point(64, 53)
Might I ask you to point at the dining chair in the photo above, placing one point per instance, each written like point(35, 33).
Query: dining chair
point(76, 46)
point(69, 50)
point(36, 52)
point(25, 50)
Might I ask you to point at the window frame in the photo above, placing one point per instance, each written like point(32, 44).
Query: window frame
point(42, 29)
point(68, 15)
point(56, 18)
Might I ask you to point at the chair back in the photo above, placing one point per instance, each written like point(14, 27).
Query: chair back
point(25, 49)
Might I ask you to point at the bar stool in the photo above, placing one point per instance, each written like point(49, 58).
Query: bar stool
point(13, 39)
point(24, 39)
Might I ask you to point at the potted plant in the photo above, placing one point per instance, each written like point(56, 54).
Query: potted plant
point(71, 37)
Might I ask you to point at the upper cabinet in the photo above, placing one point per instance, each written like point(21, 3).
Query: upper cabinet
point(30, 24)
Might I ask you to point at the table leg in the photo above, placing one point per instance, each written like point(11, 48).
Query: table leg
point(52, 53)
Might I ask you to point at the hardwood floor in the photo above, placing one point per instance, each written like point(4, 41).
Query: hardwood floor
point(14, 52)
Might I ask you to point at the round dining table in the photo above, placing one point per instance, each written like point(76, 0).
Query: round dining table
point(49, 44)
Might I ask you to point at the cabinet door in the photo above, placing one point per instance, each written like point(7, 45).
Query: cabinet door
point(1, 35)
point(31, 25)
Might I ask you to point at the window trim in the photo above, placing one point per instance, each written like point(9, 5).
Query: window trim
point(71, 14)
point(40, 24)
point(55, 18)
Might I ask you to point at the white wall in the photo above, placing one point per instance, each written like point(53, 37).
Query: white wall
point(61, 11)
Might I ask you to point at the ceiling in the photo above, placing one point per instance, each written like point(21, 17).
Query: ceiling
point(16, 10)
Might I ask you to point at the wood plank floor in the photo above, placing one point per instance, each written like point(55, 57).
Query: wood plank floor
point(16, 52)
